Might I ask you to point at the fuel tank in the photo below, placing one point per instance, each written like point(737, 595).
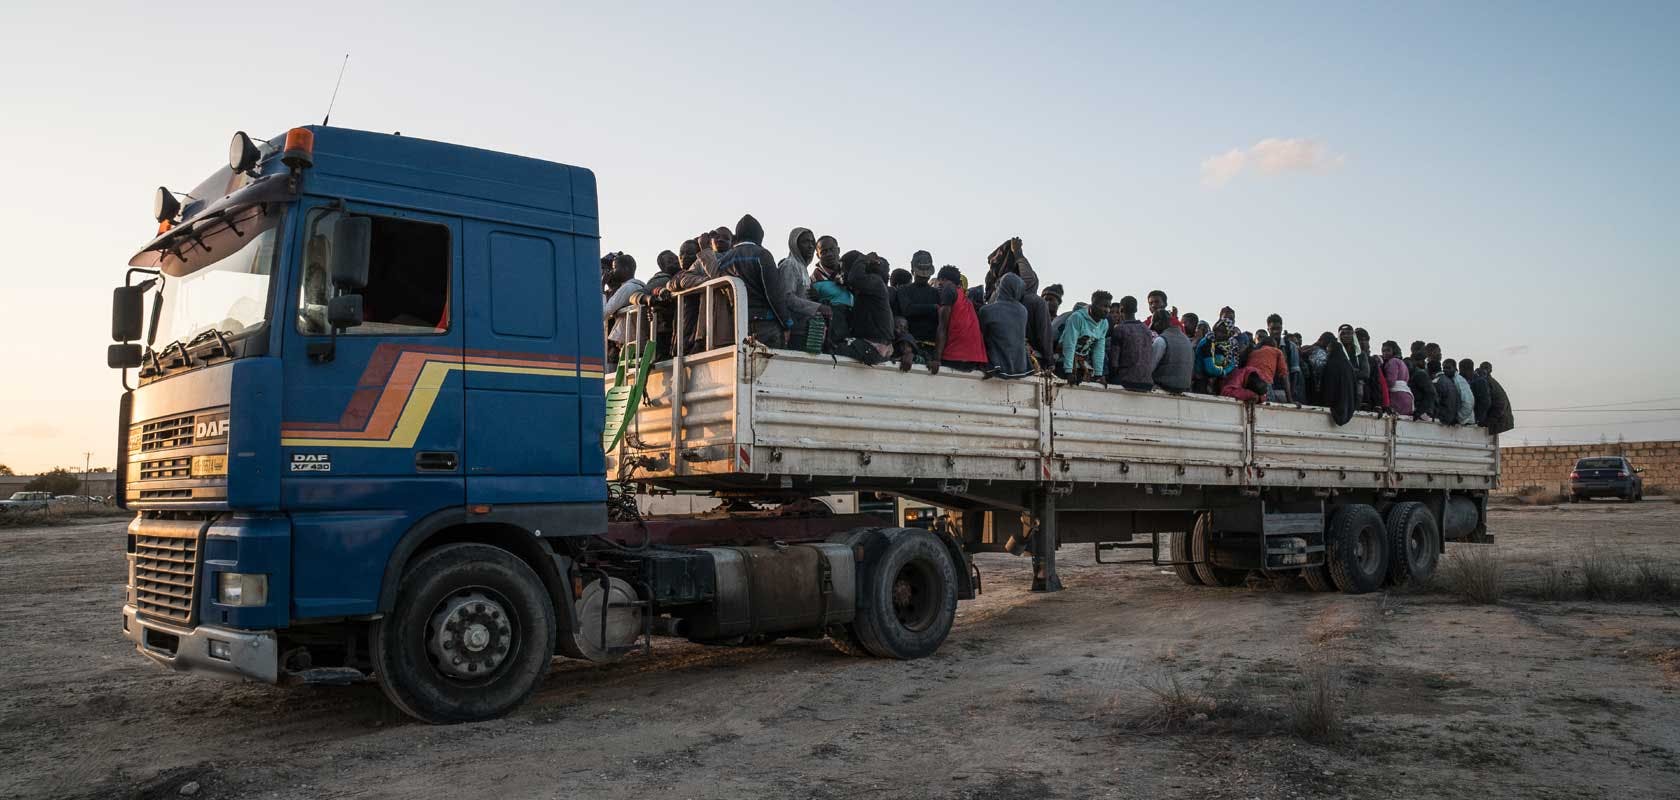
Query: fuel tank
point(776, 589)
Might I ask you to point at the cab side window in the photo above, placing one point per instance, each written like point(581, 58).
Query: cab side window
point(407, 290)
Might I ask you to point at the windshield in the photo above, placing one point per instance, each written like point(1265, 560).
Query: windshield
point(1599, 463)
point(229, 293)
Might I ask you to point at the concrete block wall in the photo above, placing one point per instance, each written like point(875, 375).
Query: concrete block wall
point(1548, 466)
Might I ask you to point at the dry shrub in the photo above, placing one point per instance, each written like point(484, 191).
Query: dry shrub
point(1472, 573)
point(1172, 706)
point(1316, 704)
point(1538, 496)
point(1615, 575)
point(1555, 584)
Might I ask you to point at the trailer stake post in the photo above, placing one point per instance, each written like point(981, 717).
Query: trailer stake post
point(1045, 578)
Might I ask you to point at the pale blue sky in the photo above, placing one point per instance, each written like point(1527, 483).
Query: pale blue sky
point(1492, 178)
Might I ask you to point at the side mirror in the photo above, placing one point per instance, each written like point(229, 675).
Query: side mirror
point(122, 356)
point(128, 312)
point(344, 311)
point(352, 247)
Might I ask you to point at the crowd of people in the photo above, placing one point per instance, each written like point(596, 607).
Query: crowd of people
point(855, 305)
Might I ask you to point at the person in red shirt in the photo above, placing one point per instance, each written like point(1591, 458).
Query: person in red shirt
point(1272, 367)
point(958, 345)
point(1158, 302)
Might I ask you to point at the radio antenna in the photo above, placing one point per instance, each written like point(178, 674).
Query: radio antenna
point(340, 82)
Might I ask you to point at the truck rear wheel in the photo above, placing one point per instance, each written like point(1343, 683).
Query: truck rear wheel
point(1414, 541)
point(1209, 574)
point(1356, 549)
point(471, 636)
point(907, 598)
point(1178, 549)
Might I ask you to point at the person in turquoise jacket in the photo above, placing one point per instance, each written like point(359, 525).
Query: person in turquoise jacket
point(1083, 339)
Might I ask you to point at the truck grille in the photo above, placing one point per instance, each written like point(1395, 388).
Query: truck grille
point(165, 576)
point(165, 433)
point(166, 468)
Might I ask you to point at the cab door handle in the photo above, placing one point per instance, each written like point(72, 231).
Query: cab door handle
point(436, 461)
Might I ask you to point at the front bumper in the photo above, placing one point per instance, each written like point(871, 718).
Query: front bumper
point(254, 655)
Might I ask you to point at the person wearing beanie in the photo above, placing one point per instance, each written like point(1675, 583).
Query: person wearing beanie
point(623, 285)
point(1052, 295)
point(769, 319)
point(917, 303)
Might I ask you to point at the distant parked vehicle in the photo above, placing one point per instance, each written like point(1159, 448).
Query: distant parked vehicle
point(1606, 476)
point(26, 501)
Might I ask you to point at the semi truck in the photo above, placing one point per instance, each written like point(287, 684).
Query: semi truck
point(365, 432)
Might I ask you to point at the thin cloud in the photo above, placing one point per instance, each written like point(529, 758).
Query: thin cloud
point(1270, 157)
point(35, 430)
point(1514, 350)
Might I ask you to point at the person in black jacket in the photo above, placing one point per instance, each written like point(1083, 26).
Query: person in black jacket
point(1499, 417)
point(1424, 399)
point(768, 317)
point(917, 302)
point(1481, 397)
point(1339, 387)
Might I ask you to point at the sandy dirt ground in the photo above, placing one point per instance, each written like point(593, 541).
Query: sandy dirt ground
point(1033, 696)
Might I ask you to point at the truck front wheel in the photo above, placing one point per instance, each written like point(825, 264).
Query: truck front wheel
point(471, 636)
point(907, 599)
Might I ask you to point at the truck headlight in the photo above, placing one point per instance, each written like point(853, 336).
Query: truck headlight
point(241, 589)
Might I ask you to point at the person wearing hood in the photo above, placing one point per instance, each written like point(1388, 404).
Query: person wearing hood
point(796, 268)
point(874, 334)
point(1499, 417)
point(796, 276)
point(1339, 388)
point(917, 302)
point(1008, 258)
point(1003, 325)
point(1084, 342)
point(769, 319)
point(958, 343)
point(1361, 366)
point(657, 301)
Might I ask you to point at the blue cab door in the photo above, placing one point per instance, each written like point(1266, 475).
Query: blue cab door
point(533, 367)
point(372, 431)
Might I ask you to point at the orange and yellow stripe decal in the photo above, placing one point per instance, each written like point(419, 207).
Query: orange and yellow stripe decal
point(400, 385)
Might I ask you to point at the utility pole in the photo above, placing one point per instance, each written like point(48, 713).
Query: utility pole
point(87, 461)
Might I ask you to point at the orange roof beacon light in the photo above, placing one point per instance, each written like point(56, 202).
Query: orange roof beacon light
point(300, 149)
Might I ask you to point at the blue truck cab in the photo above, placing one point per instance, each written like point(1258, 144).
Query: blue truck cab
point(283, 465)
point(367, 442)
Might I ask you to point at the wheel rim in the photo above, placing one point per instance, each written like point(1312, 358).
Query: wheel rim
point(471, 635)
point(1367, 549)
point(915, 596)
point(1416, 544)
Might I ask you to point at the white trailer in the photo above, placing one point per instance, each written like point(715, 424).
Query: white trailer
point(1237, 487)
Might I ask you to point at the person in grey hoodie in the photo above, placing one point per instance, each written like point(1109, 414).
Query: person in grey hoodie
point(1003, 326)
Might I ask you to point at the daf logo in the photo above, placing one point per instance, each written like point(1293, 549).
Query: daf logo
point(210, 429)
